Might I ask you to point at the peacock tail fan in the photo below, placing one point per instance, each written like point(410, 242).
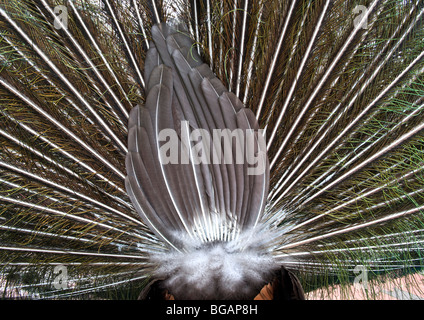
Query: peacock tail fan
point(109, 110)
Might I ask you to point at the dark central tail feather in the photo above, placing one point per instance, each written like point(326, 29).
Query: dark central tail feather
point(184, 96)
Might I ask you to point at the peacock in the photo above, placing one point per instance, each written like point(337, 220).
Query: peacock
point(202, 149)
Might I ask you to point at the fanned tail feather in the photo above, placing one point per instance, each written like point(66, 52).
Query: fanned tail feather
point(86, 88)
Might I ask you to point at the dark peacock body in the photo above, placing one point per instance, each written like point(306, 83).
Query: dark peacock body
point(332, 92)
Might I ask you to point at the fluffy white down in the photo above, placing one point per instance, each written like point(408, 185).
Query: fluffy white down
point(219, 270)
